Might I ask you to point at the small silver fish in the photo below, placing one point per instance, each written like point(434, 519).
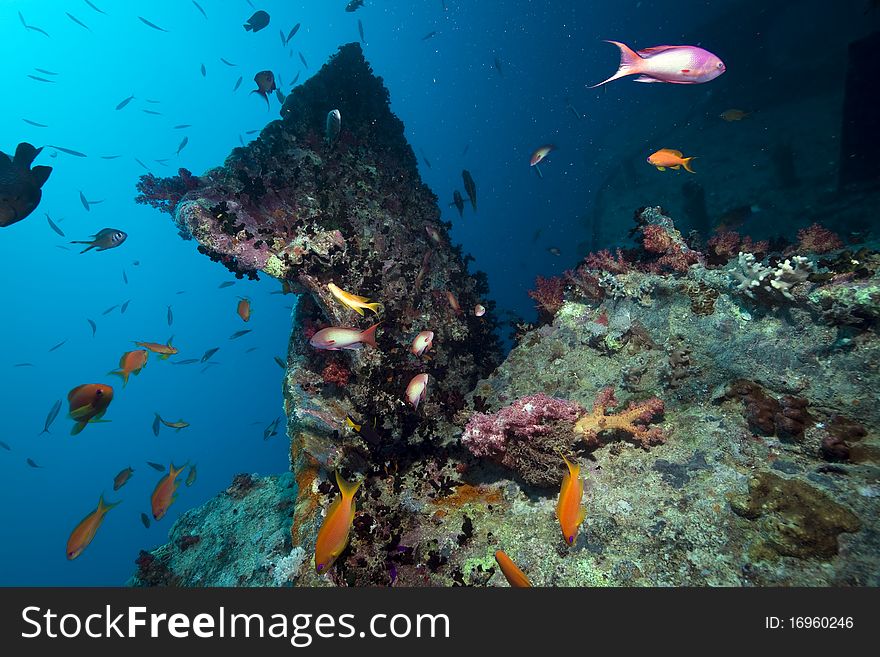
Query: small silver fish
point(53, 225)
point(50, 418)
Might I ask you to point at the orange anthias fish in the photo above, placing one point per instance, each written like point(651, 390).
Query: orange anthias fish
point(85, 531)
point(515, 577)
point(165, 350)
point(333, 535)
point(244, 309)
point(132, 362)
point(353, 301)
point(165, 492)
point(88, 403)
point(122, 478)
point(666, 158)
point(453, 302)
point(569, 509)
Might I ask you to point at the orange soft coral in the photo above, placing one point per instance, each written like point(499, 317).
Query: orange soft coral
point(633, 420)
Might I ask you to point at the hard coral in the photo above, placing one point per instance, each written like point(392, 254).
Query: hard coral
point(633, 420)
point(817, 239)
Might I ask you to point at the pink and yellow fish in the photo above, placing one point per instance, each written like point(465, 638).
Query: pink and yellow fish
point(422, 343)
point(333, 535)
point(417, 390)
point(334, 338)
point(672, 64)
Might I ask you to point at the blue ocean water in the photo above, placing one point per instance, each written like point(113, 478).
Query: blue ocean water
point(493, 81)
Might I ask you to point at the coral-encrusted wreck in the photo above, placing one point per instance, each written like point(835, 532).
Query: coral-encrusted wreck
point(760, 466)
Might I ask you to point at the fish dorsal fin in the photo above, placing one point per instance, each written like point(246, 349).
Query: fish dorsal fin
point(40, 174)
point(655, 50)
point(25, 153)
point(674, 152)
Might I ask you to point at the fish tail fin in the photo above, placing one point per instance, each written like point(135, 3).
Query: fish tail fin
point(247, 27)
point(43, 431)
point(347, 488)
point(686, 162)
point(630, 63)
point(369, 336)
point(122, 374)
point(375, 307)
point(174, 471)
point(104, 507)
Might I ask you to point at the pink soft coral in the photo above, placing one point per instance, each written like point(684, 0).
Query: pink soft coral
point(604, 261)
point(548, 294)
point(817, 239)
point(527, 417)
point(165, 193)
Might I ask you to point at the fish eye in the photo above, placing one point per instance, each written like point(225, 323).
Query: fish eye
point(320, 567)
point(570, 540)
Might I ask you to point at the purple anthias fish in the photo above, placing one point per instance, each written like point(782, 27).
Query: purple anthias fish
point(672, 64)
point(334, 338)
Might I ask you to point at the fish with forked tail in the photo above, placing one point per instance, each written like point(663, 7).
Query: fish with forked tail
point(672, 64)
point(106, 238)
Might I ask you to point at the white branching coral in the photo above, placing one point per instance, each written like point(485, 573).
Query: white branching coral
point(791, 272)
point(751, 275)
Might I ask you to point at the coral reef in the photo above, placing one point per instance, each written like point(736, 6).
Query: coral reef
point(763, 472)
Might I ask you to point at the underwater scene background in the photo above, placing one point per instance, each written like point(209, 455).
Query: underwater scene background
point(743, 450)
